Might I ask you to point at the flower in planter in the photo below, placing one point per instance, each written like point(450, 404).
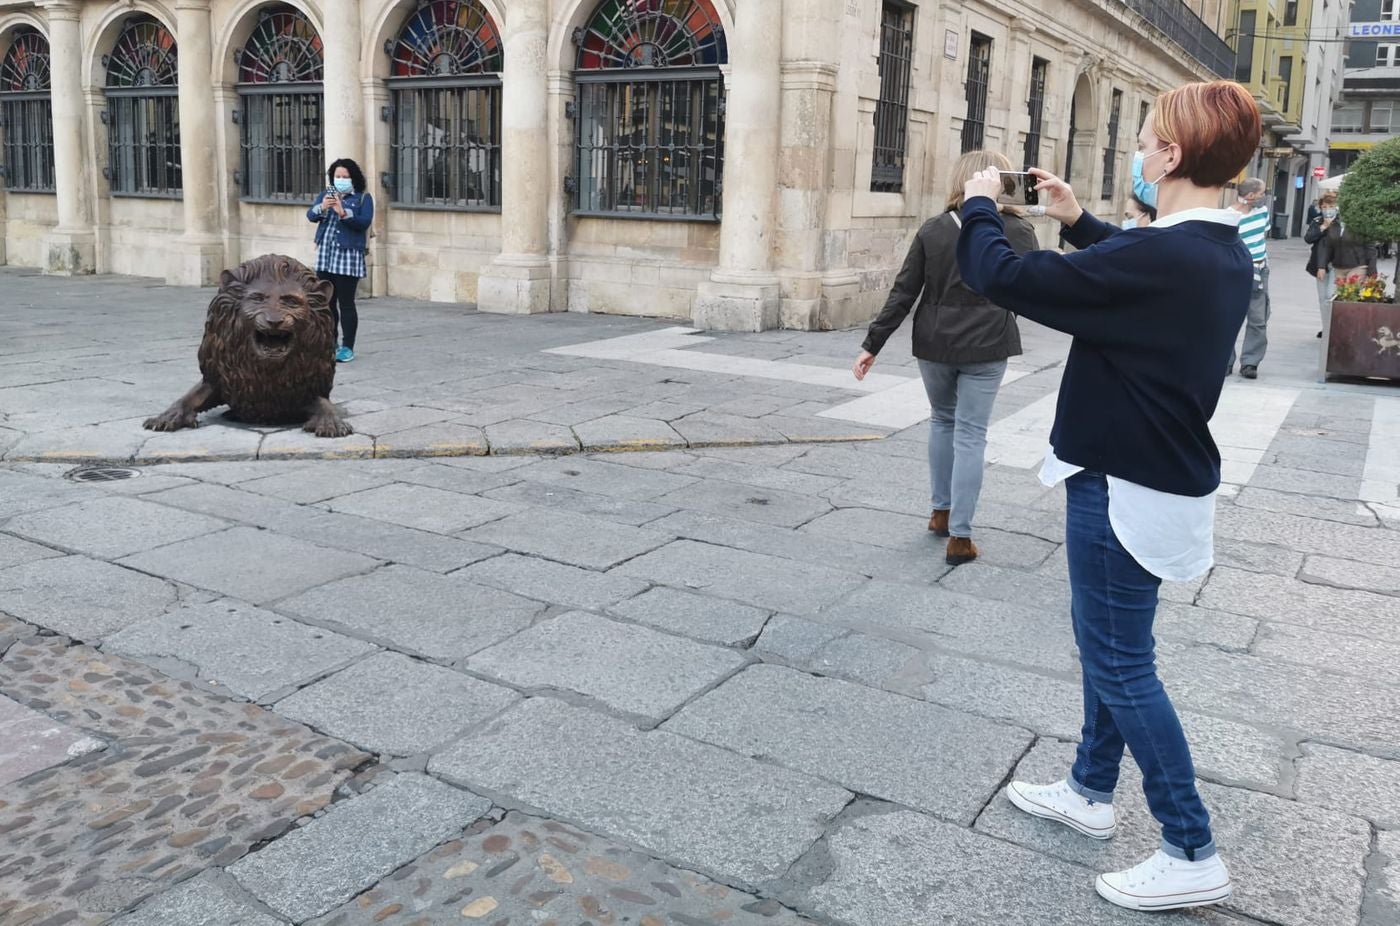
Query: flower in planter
point(1361, 288)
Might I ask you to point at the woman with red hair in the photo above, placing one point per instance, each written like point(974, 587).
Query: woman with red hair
point(1153, 312)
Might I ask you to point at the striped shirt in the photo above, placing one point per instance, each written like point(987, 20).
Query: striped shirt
point(1254, 228)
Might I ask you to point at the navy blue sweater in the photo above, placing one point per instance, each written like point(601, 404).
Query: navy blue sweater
point(1154, 313)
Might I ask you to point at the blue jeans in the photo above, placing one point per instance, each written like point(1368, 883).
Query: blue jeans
point(1113, 601)
point(960, 398)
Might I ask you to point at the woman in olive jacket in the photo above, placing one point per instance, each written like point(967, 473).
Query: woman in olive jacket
point(962, 341)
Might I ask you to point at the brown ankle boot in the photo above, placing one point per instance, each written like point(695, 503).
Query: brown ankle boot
point(961, 550)
point(938, 523)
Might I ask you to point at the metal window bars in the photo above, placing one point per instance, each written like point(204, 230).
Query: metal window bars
point(26, 142)
point(1035, 107)
point(650, 144)
point(283, 142)
point(892, 107)
point(1110, 152)
point(143, 143)
point(446, 144)
point(979, 71)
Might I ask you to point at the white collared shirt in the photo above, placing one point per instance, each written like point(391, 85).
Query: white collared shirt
point(1171, 536)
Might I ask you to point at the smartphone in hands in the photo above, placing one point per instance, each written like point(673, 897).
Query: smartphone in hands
point(1018, 189)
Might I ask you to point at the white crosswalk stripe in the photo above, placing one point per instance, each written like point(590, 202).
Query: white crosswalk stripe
point(1246, 420)
point(1380, 480)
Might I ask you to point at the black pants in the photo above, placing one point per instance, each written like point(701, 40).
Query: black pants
point(347, 319)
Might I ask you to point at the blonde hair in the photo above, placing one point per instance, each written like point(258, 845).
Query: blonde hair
point(1327, 197)
point(968, 165)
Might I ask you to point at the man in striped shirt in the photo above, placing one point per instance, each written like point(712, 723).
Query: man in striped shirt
point(1252, 201)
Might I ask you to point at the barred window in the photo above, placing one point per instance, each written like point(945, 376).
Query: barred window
point(26, 115)
point(280, 70)
point(1035, 105)
point(892, 108)
point(1143, 109)
point(650, 111)
point(979, 73)
point(446, 90)
point(1110, 153)
point(143, 112)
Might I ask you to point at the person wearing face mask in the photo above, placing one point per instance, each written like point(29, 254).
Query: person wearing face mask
point(1137, 214)
point(343, 215)
point(1152, 311)
point(1250, 202)
point(1342, 253)
point(1317, 267)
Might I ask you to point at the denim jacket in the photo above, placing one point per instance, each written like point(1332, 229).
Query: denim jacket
point(351, 231)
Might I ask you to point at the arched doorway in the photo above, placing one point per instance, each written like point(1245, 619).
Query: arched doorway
point(1079, 148)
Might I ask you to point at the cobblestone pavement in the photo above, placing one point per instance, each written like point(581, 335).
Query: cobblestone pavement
point(699, 685)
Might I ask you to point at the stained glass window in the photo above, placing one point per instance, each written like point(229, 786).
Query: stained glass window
point(143, 111)
point(446, 113)
point(281, 99)
point(650, 142)
point(26, 115)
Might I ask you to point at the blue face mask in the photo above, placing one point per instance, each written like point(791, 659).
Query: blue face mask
point(1130, 222)
point(343, 185)
point(1142, 188)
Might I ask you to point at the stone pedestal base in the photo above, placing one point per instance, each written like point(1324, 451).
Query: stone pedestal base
point(70, 253)
point(195, 263)
point(822, 304)
point(728, 304)
point(514, 288)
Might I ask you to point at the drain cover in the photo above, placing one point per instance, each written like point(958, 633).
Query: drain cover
point(103, 474)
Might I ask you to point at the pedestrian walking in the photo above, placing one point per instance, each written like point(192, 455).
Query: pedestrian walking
point(1344, 254)
point(962, 342)
point(1318, 226)
point(343, 215)
point(1152, 311)
point(1251, 203)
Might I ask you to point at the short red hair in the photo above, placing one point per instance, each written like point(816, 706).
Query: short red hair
point(1216, 125)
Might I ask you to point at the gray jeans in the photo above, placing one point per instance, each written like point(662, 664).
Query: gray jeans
point(1256, 324)
point(1324, 294)
point(960, 397)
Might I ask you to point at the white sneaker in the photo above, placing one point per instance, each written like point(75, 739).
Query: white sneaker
point(1058, 802)
point(1166, 883)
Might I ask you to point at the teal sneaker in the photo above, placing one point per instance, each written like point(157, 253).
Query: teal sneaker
point(344, 355)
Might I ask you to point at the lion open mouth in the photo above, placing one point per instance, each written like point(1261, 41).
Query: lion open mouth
point(272, 343)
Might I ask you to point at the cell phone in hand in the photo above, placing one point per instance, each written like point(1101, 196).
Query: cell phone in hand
point(1018, 189)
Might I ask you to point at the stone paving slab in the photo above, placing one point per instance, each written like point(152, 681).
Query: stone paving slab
point(16, 552)
point(1383, 900)
point(31, 742)
point(907, 532)
point(748, 503)
point(1353, 782)
point(1291, 863)
point(870, 742)
point(531, 870)
point(1309, 535)
point(525, 436)
point(388, 542)
point(632, 669)
point(320, 866)
point(1326, 570)
point(1334, 652)
point(422, 508)
point(307, 485)
point(550, 496)
point(694, 805)
point(83, 598)
point(443, 439)
point(904, 867)
point(607, 477)
point(214, 439)
point(111, 528)
point(626, 432)
point(253, 565)
point(252, 653)
point(424, 614)
point(393, 705)
point(760, 580)
point(711, 620)
point(556, 583)
point(199, 902)
point(1320, 607)
point(569, 538)
point(191, 780)
point(299, 445)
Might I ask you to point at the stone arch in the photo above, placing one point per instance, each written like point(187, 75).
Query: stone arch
point(239, 26)
point(109, 28)
point(559, 52)
point(392, 19)
point(1083, 130)
point(11, 22)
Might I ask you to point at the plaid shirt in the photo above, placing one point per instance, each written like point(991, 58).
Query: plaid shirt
point(331, 257)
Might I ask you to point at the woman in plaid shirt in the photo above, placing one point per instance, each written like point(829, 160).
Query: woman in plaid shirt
point(343, 215)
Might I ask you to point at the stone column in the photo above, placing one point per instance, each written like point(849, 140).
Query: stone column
point(518, 279)
point(345, 102)
point(742, 293)
point(71, 247)
point(199, 253)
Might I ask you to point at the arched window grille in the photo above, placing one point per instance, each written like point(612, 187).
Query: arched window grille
point(143, 111)
point(446, 112)
point(650, 111)
point(26, 115)
point(280, 70)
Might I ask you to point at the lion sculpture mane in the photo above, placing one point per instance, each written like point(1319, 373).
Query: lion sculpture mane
point(268, 352)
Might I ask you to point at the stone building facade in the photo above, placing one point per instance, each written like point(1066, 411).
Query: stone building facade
point(737, 163)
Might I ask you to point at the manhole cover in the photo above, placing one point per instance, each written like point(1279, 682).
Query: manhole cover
point(103, 474)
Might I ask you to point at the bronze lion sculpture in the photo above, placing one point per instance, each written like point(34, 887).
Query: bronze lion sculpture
point(268, 352)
